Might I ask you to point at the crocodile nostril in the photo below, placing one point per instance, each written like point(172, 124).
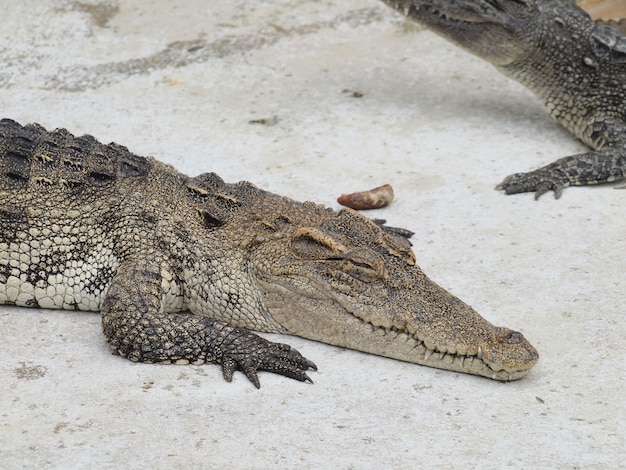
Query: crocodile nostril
point(514, 337)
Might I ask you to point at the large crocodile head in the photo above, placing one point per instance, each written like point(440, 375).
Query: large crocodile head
point(502, 32)
point(339, 278)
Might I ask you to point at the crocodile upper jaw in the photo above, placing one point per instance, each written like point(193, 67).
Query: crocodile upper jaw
point(491, 30)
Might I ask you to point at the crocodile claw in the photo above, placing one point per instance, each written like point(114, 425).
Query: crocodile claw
point(278, 358)
point(540, 181)
point(397, 231)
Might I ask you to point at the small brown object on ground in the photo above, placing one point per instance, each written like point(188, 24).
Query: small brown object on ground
point(354, 94)
point(372, 199)
point(264, 121)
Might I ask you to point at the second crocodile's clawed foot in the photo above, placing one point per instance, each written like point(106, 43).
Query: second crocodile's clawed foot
point(539, 182)
point(397, 231)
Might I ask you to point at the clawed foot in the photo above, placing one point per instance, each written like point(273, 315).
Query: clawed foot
point(397, 231)
point(540, 181)
point(264, 355)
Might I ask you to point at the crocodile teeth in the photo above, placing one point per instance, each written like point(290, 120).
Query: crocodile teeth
point(404, 7)
point(479, 355)
point(428, 353)
point(509, 376)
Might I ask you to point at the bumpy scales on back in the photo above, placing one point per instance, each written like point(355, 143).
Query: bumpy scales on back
point(181, 268)
point(577, 67)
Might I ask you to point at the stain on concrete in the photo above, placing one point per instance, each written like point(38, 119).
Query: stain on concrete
point(100, 12)
point(70, 428)
point(183, 53)
point(60, 426)
point(25, 372)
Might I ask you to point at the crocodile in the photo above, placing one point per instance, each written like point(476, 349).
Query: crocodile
point(575, 65)
point(183, 269)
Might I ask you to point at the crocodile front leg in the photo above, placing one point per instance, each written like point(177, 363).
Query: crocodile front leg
point(577, 170)
point(135, 327)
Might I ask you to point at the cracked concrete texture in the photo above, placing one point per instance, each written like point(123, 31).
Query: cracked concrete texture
point(181, 81)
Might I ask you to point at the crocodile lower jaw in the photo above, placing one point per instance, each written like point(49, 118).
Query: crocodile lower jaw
point(434, 357)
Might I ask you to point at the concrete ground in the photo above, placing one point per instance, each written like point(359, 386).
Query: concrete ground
point(181, 80)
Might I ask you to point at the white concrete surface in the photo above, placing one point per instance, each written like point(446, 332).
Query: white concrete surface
point(180, 80)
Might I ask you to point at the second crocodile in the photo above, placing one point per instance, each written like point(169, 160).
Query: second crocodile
point(576, 66)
